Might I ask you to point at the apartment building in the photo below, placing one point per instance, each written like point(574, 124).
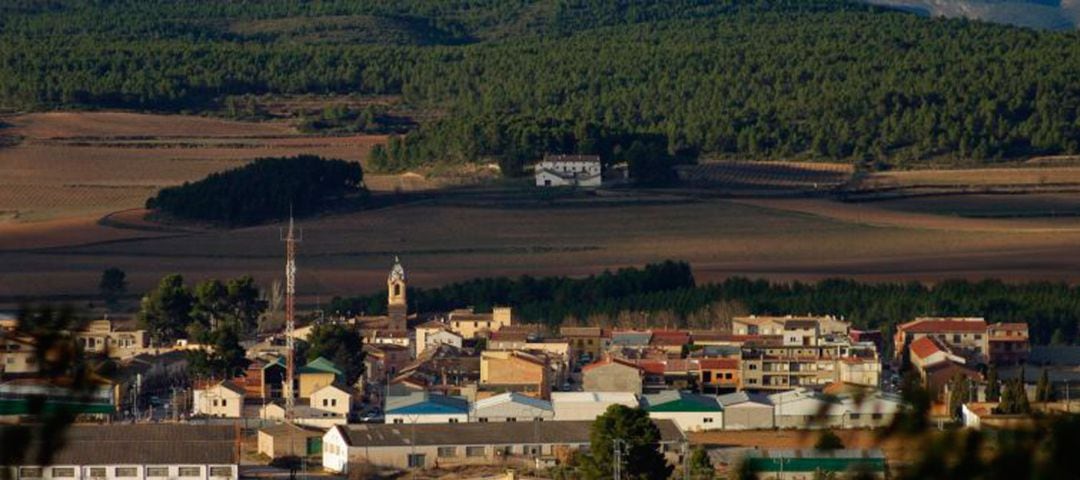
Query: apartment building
point(967, 337)
point(514, 371)
point(768, 365)
point(1009, 343)
point(470, 324)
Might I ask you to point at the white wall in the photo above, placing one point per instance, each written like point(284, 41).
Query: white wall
point(335, 454)
point(692, 421)
point(407, 419)
point(217, 402)
point(84, 472)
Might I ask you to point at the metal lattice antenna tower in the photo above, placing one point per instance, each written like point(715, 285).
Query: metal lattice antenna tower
point(290, 238)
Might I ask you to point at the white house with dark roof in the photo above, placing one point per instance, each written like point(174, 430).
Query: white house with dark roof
point(448, 445)
point(569, 171)
point(137, 452)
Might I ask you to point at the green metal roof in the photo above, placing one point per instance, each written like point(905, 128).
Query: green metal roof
point(21, 406)
point(673, 401)
point(321, 365)
point(815, 464)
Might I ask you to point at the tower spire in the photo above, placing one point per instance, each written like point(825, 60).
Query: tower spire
point(290, 238)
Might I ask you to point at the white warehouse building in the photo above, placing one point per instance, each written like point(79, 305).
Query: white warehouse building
point(569, 171)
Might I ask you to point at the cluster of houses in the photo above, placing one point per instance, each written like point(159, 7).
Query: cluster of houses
point(468, 387)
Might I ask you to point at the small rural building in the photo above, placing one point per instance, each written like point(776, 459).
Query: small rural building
point(589, 342)
point(317, 374)
point(511, 407)
point(515, 371)
point(506, 443)
point(588, 405)
point(612, 375)
point(426, 407)
point(717, 375)
point(141, 451)
point(470, 324)
point(631, 339)
point(804, 409)
point(690, 412)
point(303, 414)
point(569, 171)
point(334, 399)
point(746, 411)
point(809, 464)
point(288, 440)
point(225, 399)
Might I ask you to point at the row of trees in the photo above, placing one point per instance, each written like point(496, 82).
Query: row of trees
point(667, 294)
point(266, 189)
point(822, 79)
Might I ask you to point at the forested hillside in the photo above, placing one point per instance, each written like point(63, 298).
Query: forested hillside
point(813, 79)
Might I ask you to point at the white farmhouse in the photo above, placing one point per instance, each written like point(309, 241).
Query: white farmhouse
point(225, 399)
point(569, 171)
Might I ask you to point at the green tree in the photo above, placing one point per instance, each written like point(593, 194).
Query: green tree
point(1058, 337)
point(829, 440)
point(993, 384)
point(1014, 399)
point(1044, 390)
point(339, 344)
point(959, 394)
point(225, 360)
point(209, 303)
point(245, 303)
point(638, 438)
point(701, 467)
point(113, 285)
point(166, 311)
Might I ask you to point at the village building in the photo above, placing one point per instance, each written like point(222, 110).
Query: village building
point(788, 325)
point(288, 440)
point(767, 365)
point(145, 451)
point(470, 324)
point(587, 342)
point(511, 407)
point(747, 411)
point(397, 305)
point(967, 337)
point(569, 171)
point(317, 374)
point(588, 405)
point(1009, 343)
point(426, 407)
point(224, 399)
point(718, 375)
point(515, 371)
point(435, 333)
point(690, 412)
point(613, 375)
point(401, 338)
point(385, 360)
point(503, 443)
point(103, 338)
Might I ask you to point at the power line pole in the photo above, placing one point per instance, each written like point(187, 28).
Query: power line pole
point(291, 239)
point(618, 444)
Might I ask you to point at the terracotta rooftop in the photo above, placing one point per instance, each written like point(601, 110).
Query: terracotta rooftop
point(608, 361)
point(923, 347)
point(944, 325)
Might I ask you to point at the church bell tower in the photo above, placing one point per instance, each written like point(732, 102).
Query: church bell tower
point(396, 305)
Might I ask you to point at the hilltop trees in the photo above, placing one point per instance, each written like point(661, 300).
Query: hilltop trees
point(266, 189)
point(740, 78)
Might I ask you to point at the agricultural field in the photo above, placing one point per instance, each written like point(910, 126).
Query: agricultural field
point(443, 238)
point(776, 175)
point(92, 163)
point(1044, 206)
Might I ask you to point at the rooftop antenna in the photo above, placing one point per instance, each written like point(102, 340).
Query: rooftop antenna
point(291, 237)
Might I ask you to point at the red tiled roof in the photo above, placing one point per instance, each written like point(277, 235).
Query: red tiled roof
point(719, 363)
point(670, 337)
point(943, 325)
point(608, 361)
point(652, 367)
point(1013, 326)
point(925, 346)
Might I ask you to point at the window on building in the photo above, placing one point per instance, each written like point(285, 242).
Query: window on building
point(978, 337)
point(63, 472)
point(453, 420)
point(447, 452)
point(157, 471)
point(333, 402)
point(752, 381)
point(96, 472)
point(855, 416)
point(482, 419)
point(511, 419)
point(215, 402)
point(956, 338)
point(727, 376)
point(706, 420)
point(190, 471)
point(30, 472)
point(531, 450)
point(127, 472)
point(474, 451)
point(877, 416)
point(224, 403)
point(399, 420)
point(221, 471)
point(416, 460)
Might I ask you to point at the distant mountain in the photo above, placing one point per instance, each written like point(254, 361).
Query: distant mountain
point(1042, 14)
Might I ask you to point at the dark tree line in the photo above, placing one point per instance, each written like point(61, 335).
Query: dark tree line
point(1052, 310)
point(266, 189)
point(814, 79)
